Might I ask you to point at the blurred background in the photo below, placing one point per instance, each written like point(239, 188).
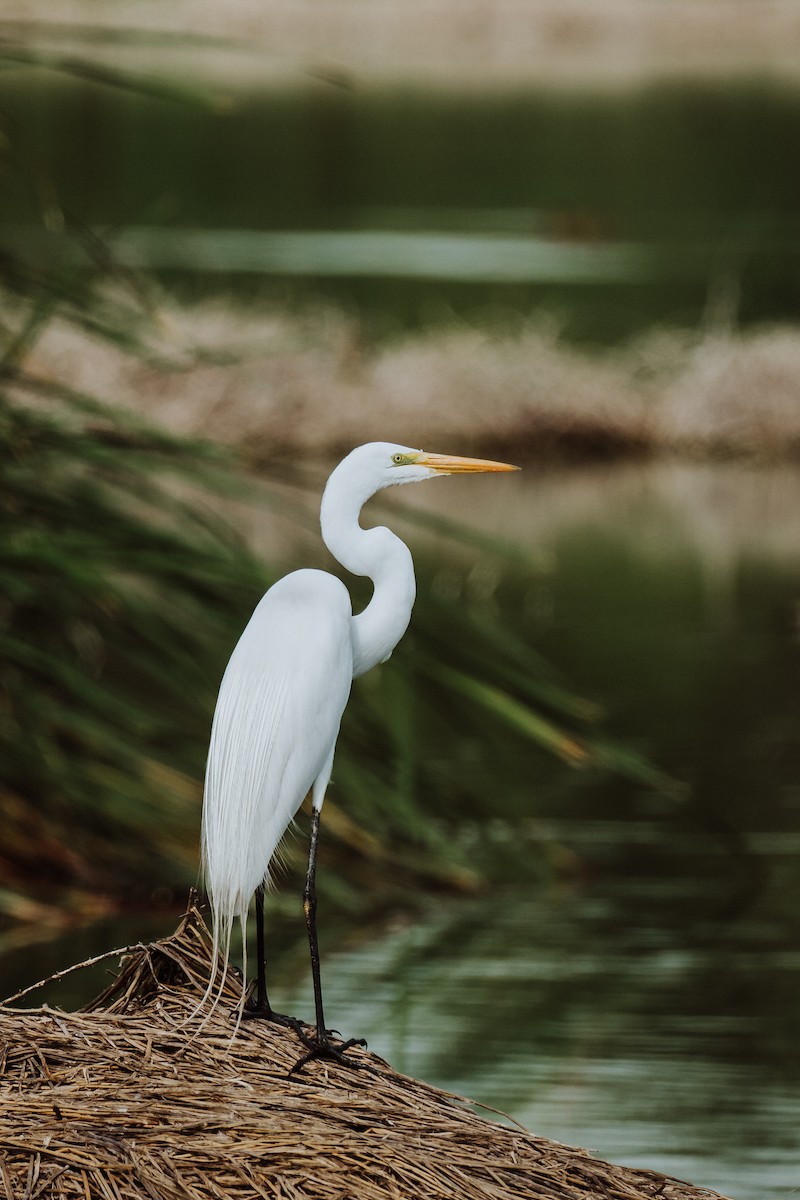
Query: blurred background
point(562, 847)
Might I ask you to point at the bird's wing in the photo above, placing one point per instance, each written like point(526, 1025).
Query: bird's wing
point(277, 718)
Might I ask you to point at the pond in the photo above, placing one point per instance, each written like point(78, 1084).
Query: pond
point(671, 201)
point(644, 1003)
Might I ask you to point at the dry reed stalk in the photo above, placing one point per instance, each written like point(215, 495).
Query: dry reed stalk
point(489, 42)
point(120, 1102)
point(305, 385)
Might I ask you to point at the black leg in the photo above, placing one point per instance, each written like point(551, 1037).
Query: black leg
point(310, 910)
point(261, 969)
point(321, 1045)
point(259, 1005)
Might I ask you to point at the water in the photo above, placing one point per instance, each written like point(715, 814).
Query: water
point(593, 1017)
point(645, 1003)
point(665, 202)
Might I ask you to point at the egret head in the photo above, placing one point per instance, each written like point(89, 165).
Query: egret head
point(384, 464)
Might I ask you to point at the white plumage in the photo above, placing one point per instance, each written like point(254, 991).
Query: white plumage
point(259, 770)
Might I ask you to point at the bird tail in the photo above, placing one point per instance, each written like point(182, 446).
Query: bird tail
point(221, 931)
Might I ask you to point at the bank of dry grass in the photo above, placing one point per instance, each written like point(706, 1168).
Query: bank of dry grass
point(309, 384)
point(119, 1103)
point(446, 42)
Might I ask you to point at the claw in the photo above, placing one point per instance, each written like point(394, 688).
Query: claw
point(324, 1047)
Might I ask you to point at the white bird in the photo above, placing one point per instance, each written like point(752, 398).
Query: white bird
point(283, 694)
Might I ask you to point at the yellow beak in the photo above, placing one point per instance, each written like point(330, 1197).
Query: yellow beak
point(447, 464)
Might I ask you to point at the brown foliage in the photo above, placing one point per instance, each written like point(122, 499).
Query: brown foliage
point(309, 385)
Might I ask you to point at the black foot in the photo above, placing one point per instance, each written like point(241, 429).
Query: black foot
point(263, 1012)
point(325, 1047)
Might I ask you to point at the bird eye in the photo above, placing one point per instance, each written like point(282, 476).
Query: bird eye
point(398, 459)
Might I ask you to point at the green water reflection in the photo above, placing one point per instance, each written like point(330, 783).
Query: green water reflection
point(647, 1003)
point(599, 1018)
point(694, 180)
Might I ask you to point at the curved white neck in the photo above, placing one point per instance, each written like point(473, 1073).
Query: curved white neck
point(378, 554)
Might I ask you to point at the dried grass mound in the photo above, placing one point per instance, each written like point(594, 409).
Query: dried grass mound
point(119, 1103)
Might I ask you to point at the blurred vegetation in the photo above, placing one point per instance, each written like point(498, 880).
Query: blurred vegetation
point(112, 586)
point(123, 594)
point(122, 597)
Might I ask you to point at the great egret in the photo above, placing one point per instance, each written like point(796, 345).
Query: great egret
point(284, 691)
